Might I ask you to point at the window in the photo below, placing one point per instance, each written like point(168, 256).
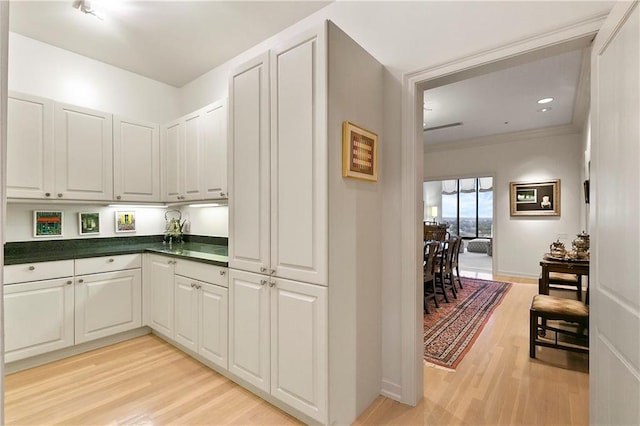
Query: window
point(467, 205)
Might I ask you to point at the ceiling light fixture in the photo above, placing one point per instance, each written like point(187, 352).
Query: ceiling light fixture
point(546, 109)
point(85, 6)
point(545, 100)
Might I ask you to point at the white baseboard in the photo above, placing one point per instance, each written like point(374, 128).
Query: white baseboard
point(391, 390)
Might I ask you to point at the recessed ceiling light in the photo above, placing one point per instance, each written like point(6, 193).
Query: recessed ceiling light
point(546, 109)
point(545, 100)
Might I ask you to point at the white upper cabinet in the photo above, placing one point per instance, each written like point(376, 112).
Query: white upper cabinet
point(136, 160)
point(84, 153)
point(278, 163)
point(249, 162)
point(194, 151)
point(172, 141)
point(299, 231)
point(30, 164)
point(192, 165)
point(214, 150)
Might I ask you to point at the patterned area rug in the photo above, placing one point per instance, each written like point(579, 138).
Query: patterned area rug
point(451, 329)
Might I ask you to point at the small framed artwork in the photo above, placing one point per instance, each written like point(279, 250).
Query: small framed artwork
point(359, 153)
point(535, 198)
point(47, 223)
point(125, 221)
point(89, 223)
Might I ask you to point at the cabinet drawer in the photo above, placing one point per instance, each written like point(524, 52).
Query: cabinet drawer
point(95, 265)
point(37, 271)
point(202, 272)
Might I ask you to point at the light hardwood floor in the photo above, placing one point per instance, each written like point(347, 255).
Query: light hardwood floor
point(146, 381)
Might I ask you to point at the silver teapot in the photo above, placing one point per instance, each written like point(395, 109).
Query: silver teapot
point(581, 245)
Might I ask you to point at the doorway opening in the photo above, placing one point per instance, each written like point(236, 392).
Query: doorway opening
point(443, 167)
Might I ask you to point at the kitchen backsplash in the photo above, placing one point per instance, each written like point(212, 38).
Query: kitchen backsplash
point(205, 221)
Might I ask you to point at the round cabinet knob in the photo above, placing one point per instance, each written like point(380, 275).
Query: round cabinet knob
point(59, 194)
point(47, 194)
point(272, 283)
point(222, 272)
point(263, 269)
point(263, 282)
point(119, 197)
point(32, 268)
point(80, 280)
point(222, 194)
point(272, 271)
point(69, 282)
point(111, 260)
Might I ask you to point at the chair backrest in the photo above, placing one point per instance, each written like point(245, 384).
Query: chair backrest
point(430, 253)
point(435, 232)
point(450, 248)
point(456, 252)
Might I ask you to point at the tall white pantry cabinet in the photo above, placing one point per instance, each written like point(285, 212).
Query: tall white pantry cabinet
point(281, 182)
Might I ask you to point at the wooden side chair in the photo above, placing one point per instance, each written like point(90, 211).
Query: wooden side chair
point(568, 314)
point(430, 252)
point(454, 262)
point(444, 276)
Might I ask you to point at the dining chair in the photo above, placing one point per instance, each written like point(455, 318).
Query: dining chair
point(454, 262)
point(443, 274)
point(430, 252)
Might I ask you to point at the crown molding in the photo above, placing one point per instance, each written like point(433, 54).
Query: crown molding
point(544, 132)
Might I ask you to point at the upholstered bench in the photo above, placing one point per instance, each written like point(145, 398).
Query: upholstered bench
point(560, 280)
point(479, 245)
point(550, 308)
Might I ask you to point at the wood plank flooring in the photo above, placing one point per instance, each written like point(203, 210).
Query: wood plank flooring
point(146, 381)
point(497, 383)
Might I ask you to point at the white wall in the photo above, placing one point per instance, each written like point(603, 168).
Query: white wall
point(520, 242)
point(149, 221)
point(207, 221)
point(43, 70)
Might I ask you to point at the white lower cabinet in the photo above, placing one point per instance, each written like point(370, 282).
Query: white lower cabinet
point(201, 318)
point(38, 317)
point(107, 303)
point(185, 308)
point(278, 336)
point(158, 293)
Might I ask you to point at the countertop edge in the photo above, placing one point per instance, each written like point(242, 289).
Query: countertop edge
point(8, 261)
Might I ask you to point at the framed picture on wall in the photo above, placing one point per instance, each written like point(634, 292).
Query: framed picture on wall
point(89, 223)
point(125, 221)
point(535, 198)
point(47, 223)
point(359, 153)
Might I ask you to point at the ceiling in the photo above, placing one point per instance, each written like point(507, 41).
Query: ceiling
point(505, 101)
point(168, 41)
point(177, 41)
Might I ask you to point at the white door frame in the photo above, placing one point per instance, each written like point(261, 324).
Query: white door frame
point(412, 177)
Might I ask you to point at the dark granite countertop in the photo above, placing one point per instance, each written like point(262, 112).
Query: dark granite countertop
point(200, 249)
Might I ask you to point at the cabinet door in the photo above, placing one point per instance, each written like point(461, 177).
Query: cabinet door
point(299, 160)
point(159, 294)
point(38, 317)
point(136, 160)
point(172, 141)
point(192, 166)
point(186, 312)
point(249, 167)
point(30, 151)
point(84, 153)
point(212, 335)
point(299, 351)
point(249, 327)
point(214, 150)
point(107, 304)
